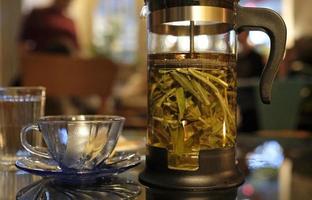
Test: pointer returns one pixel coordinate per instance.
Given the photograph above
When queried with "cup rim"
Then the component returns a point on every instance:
(80, 118)
(23, 91)
(2, 88)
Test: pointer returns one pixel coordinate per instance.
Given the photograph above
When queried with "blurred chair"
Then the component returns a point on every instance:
(65, 76)
(283, 112)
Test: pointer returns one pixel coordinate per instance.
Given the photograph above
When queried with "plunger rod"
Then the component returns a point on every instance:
(191, 38)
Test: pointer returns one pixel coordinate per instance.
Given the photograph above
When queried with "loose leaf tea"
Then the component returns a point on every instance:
(192, 105)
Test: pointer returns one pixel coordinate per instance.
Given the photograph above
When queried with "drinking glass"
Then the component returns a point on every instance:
(19, 106)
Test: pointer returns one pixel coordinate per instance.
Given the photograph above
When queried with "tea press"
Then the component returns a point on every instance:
(192, 53)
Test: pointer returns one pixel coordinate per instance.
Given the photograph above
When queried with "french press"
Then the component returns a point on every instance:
(192, 89)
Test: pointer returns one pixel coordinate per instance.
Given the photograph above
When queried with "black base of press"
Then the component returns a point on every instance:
(217, 170)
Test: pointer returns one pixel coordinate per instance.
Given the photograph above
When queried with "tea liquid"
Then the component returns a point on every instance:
(192, 105)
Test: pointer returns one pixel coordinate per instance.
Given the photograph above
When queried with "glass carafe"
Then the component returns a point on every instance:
(192, 83)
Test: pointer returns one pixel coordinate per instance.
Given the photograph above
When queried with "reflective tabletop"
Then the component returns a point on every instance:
(275, 168)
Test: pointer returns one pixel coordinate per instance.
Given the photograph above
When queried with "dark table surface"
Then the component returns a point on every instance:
(275, 168)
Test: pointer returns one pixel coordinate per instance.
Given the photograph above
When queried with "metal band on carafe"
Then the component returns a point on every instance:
(176, 20)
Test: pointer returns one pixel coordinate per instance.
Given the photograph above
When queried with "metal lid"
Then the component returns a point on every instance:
(174, 16)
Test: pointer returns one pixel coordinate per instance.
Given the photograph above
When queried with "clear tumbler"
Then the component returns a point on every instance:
(19, 106)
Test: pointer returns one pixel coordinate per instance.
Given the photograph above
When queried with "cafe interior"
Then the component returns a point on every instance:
(108, 57)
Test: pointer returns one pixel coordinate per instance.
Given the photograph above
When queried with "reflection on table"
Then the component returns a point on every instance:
(110, 188)
(226, 194)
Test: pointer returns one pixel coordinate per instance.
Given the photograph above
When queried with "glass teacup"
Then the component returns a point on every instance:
(78, 142)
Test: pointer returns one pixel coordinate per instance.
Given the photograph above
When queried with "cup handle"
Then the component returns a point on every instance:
(29, 147)
(271, 23)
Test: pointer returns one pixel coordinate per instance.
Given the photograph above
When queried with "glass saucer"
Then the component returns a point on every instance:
(119, 163)
(109, 188)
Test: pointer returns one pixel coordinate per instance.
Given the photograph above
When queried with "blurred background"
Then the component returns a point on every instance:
(102, 44)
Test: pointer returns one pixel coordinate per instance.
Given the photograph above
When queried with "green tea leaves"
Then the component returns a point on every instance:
(191, 109)
(181, 102)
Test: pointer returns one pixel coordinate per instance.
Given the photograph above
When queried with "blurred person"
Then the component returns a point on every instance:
(49, 30)
(301, 64)
(301, 69)
(249, 66)
(286, 63)
(249, 63)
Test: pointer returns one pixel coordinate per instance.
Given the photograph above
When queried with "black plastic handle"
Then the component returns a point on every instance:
(270, 22)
